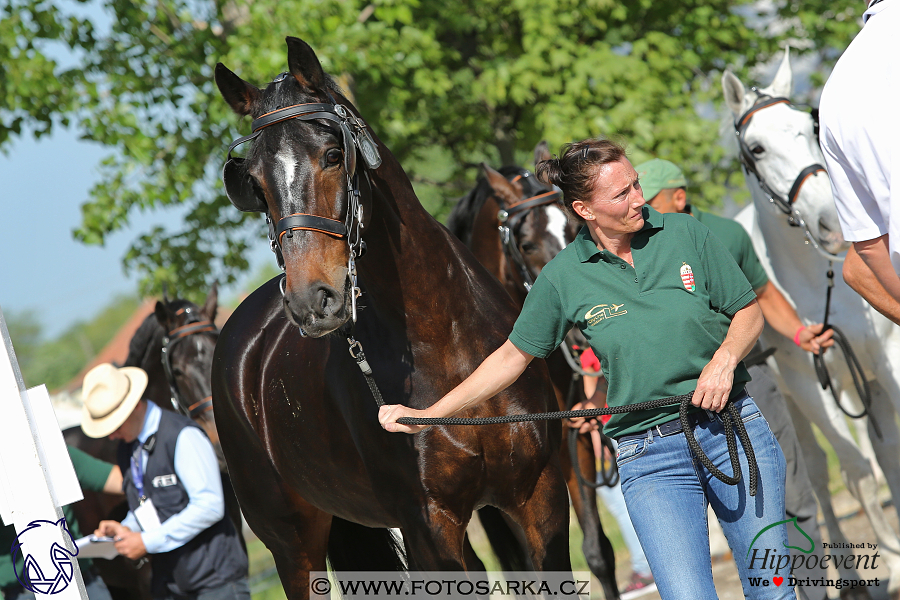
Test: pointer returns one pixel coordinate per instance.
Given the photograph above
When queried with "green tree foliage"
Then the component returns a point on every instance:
(55, 362)
(445, 85)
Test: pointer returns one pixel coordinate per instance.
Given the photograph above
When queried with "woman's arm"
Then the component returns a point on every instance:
(495, 374)
(714, 384)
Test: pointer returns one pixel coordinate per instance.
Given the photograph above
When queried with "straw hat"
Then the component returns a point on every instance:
(110, 395)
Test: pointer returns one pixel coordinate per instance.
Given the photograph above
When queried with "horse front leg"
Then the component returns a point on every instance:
(436, 538)
(544, 518)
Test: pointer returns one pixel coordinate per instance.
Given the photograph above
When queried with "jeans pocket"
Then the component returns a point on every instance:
(630, 450)
(749, 410)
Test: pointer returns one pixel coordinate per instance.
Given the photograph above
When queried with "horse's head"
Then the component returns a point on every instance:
(188, 345)
(779, 150)
(302, 172)
(530, 215)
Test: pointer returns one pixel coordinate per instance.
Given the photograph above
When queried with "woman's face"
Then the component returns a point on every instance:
(616, 202)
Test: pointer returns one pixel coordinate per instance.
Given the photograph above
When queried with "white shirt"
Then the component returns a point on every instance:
(859, 129)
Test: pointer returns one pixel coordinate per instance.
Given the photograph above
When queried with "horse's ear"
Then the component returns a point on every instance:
(162, 314)
(541, 152)
(734, 93)
(212, 302)
(783, 82)
(240, 95)
(503, 189)
(304, 64)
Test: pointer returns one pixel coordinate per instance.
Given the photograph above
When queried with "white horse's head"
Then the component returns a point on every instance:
(782, 159)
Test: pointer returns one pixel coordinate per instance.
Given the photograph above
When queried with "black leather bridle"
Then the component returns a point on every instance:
(785, 205)
(170, 340)
(245, 194)
(511, 216)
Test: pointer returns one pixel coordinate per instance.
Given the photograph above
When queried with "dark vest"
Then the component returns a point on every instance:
(210, 560)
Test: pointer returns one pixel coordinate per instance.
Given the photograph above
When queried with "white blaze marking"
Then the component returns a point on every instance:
(556, 224)
(286, 158)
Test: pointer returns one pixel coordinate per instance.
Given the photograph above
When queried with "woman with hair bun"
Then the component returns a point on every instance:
(668, 312)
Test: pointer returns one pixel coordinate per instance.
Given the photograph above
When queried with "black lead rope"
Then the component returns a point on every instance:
(731, 419)
(856, 371)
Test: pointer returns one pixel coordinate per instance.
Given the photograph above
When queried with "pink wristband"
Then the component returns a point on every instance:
(797, 335)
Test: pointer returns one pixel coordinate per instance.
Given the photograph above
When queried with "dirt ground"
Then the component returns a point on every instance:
(855, 527)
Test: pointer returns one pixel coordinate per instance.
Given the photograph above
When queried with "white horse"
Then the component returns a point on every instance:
(778, 143)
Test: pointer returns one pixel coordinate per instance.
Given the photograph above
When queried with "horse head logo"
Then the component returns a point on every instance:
(44, 573)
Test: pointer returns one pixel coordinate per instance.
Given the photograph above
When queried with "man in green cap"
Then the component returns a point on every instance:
(665, 189)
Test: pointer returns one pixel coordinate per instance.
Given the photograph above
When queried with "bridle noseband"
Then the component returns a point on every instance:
(785, 205)
(170, 340)
(245, 195)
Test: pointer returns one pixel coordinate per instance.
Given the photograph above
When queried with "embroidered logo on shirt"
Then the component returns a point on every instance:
(687, 277)
(165, 480)
(603, 311)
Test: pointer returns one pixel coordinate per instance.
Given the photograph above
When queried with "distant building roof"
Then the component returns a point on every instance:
(116, 351)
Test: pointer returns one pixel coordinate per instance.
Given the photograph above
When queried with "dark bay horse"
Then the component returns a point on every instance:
(296, 415)
(178, 337)
(514, 225)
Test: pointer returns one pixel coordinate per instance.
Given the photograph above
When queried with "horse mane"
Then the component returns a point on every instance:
(147, 337)
(462, 217)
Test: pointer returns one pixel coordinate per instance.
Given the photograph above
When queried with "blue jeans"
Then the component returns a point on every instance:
(667, 491)
(615, 503)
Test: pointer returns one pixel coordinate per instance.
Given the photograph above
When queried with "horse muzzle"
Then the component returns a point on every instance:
(318, 309)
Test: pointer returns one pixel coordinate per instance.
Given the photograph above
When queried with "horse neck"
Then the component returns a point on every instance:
(411, 258)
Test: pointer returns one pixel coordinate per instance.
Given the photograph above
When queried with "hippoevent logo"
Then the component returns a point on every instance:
(49, 571)
(776, 566)
(603, 311)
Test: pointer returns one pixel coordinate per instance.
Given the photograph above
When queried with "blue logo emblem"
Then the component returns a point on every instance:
(50, 572)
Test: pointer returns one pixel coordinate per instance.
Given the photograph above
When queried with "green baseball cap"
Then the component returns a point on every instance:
(657, 175)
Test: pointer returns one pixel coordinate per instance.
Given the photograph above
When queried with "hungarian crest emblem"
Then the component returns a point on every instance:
(687, 277)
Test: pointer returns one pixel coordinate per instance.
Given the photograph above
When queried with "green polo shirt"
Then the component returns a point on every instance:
(655, 326)
(92, 474)
(738, 243)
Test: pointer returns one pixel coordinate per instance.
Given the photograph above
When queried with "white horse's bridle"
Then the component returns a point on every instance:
(785, 205)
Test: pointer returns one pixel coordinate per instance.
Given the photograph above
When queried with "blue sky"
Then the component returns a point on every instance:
(43, 268)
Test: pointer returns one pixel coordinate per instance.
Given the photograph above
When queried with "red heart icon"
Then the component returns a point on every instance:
(777, 580)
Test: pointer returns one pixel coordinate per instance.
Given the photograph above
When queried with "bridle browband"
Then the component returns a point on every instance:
(244, 193)
(785, 205)
(170, 340)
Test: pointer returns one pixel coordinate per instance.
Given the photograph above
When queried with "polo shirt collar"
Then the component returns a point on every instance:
(586, 248)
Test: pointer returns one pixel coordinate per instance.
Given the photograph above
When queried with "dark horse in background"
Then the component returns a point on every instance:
(514, 225)
(312, 467)
(188, 335)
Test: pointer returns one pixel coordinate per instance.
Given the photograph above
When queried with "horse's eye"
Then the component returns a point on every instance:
(333, 156)
(529, 247)
(757, 149)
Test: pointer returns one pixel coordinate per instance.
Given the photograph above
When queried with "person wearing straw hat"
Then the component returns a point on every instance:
(174, 490)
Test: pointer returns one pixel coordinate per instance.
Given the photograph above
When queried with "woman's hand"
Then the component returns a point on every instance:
(714, 384)
(389, 413)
